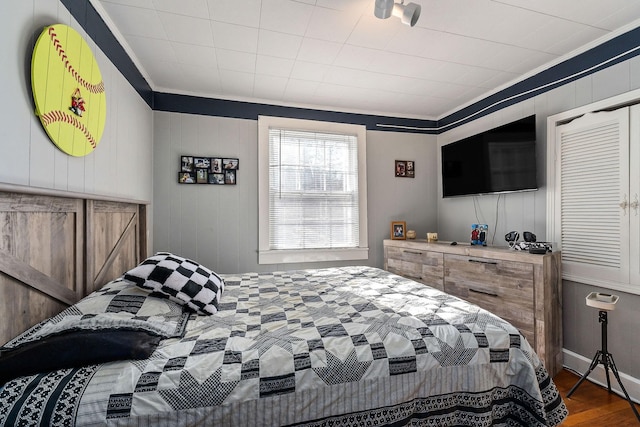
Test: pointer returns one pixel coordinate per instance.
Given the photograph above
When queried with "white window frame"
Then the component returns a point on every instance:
(266, 255)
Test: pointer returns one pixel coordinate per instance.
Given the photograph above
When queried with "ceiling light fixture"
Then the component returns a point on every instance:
(408, 13)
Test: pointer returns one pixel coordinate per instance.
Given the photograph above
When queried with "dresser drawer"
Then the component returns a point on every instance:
(503, 287)
(522, 288)
(419, 265)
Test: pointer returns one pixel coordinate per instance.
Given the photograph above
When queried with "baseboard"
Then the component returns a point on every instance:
(579, 364)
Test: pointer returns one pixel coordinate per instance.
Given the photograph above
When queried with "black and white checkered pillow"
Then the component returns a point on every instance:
(181, 280)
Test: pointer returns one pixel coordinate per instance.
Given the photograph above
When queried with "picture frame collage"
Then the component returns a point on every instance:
(208, 170)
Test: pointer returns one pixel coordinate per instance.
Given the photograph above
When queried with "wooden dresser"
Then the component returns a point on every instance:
(520, 287)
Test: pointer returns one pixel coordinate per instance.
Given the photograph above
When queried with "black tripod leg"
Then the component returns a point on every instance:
(594, 363)
(605, 362)
(615, 373)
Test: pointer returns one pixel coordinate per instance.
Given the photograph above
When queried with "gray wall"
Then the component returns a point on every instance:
(121, 164)
(218, 225)
(527, 211)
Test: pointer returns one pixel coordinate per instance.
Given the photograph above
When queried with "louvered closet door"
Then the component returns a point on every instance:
(593, 166)
(634, 203)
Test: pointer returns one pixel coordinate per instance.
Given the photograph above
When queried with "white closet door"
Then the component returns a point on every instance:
(634, 194)
(593, 184)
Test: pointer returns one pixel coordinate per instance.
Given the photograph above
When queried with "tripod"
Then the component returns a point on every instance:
(603, 356)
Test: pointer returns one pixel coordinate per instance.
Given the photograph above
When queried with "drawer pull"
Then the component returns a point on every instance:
(483, 262)
(413, 252)
(491, 294)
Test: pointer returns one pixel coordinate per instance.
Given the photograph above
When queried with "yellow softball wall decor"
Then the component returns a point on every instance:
(68, 90)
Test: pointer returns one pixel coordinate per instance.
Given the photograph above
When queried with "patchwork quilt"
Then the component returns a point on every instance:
(353, 346)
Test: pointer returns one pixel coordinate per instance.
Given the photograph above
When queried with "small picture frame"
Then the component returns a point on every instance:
(230, 177)
(411, 169)
(186, 163)
(405, 168)
(230, 164)
(187, 177)
(479, 234)
(216, 178)
(201, 162)
(398, 230)
(202, 176)
(216, 165)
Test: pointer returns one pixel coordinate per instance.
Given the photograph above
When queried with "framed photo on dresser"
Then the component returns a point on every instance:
(398, 230)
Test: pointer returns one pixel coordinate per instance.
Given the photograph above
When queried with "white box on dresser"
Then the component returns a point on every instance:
(522, 288)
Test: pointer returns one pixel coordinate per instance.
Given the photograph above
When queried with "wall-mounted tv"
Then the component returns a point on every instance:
(496, 161)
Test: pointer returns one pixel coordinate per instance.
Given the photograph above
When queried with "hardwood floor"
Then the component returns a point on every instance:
(592, 405)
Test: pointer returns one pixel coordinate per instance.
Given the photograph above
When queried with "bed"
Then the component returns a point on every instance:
(354, 346)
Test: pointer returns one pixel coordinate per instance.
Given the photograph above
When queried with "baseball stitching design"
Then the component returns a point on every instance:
(92, 88)
(60, 116)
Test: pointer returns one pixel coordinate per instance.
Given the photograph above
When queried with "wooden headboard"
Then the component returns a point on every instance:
(55, 248)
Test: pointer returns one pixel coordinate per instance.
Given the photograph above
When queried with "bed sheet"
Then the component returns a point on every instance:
(339, 346)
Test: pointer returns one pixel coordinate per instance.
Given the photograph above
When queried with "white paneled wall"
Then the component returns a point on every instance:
(215, 224)
(218, 225)
(503, 213)
(121, 164)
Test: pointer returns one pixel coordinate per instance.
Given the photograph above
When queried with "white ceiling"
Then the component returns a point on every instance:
(334, 54)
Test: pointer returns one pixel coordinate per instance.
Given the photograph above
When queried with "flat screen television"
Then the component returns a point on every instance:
(496, 161)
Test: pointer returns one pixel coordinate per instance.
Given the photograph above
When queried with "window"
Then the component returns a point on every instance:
(312, 191)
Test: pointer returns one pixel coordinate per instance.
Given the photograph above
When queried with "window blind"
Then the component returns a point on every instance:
(313, 190)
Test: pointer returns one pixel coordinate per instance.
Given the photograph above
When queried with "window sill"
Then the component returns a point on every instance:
(311, 255)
